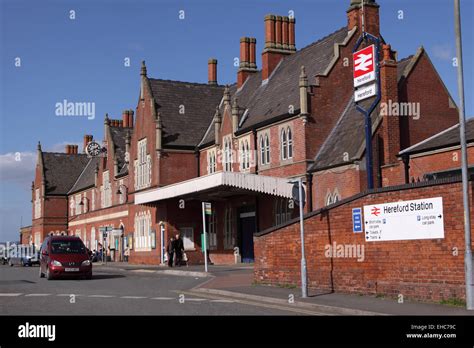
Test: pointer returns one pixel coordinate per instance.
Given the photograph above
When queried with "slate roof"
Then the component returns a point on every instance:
(87, 177)
(447, 138)
(199, 101)
(348, 135)
(61, 171)
(268, 101)
(118, 139)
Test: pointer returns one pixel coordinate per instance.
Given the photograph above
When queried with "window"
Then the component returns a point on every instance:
(244, 154)
(37, 239)
(228, 229)
(290, 142)
(283, 211)
(142, 166)
(286, 143)
(212, 230)
(142, 234)
(37, 204)
(77, 199)
(106, 197)
(72, 206)
(264, 149)
(211, 160)
(228, 154)
(123, 192)
(93, 239)
(187, 233)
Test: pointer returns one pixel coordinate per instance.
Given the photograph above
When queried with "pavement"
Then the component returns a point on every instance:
(121, 288)
(235, 282)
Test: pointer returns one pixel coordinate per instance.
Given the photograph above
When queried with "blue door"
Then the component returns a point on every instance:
(247, 229)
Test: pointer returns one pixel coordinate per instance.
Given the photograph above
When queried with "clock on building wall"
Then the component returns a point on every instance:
(94, 149)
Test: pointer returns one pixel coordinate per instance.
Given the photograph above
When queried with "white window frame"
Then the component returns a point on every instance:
(142, 233)
(282, 211)
(143, 166)
(228, 154)
(106, 188)
(211, 161)
(77, 201)
(264, 149)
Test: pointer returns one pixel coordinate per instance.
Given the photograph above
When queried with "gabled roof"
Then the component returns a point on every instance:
(447, 138)
(344, 143)
(118, 138)
(186, 110)
(61, 171)
(273, 99)
(269, 100)
(348, 135)
(87, 178)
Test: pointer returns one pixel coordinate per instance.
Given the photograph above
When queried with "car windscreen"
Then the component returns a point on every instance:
(67, 247)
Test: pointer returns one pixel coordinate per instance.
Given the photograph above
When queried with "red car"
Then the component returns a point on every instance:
(63, 256)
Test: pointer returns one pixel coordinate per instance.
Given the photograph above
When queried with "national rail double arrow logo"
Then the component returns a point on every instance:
(375, 211)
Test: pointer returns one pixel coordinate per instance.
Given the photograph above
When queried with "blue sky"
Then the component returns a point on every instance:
(82, 60)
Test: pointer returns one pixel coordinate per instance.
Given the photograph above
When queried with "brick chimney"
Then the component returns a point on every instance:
(389, 96)
(87, 140)
(279, 42)
(71, 149)
(130, 118)
(247, 63)
(212, 71)
(371, 17)
(125, 118)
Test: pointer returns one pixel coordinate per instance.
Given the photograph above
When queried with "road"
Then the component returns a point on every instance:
(112, 292)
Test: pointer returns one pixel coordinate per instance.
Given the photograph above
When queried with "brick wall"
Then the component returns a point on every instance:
(419, 269)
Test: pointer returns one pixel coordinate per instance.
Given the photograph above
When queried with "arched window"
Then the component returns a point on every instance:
(329, 198)
(228, 155)
(283, 211)
(290, 142)
(284, 145)
(262, 150)
(267, 149)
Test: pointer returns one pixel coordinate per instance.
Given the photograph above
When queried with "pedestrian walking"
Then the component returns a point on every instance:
(178, 249)
(170, 250)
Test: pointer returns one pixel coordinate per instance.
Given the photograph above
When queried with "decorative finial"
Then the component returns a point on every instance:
(143, 69)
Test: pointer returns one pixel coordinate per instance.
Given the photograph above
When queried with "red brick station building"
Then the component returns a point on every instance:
(239, 146)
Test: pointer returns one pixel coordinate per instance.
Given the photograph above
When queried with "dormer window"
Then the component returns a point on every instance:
(142, 166)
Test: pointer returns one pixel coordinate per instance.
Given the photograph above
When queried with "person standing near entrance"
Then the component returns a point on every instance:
(170, 250)
(178, 249)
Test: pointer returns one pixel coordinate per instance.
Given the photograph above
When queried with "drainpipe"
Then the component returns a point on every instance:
(309, 191)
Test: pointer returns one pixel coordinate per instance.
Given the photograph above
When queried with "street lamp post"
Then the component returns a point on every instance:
(301, 200)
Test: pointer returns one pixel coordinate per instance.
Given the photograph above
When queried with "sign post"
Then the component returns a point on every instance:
(366, 70)
(206, 210)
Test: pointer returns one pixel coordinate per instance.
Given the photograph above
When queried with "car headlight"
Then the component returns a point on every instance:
(86, 263)
(56, 263)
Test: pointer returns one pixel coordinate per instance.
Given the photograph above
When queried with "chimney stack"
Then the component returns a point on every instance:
(247, 63)
(87, 140)
(212, 71)
(125, 118)
(389, 94)
(279, 42)
(371, 17)
(130, 118)
(71, 149)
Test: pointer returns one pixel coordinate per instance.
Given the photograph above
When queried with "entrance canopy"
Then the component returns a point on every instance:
(229, 181)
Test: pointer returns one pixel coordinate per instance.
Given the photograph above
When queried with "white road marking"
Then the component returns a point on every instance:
(67, 295)
(223, 301)
(11, 294)
(162, 298)
(101, 296)
(36, 295)
(195, 299)
(133, 297)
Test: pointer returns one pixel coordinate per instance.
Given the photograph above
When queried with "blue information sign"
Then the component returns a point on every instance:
(357, 220)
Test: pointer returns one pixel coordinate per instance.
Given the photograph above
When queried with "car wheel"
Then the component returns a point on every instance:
(49, 276)
(41, 274)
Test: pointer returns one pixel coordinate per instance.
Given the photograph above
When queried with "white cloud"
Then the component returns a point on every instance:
(18, 168)
(443, 52)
